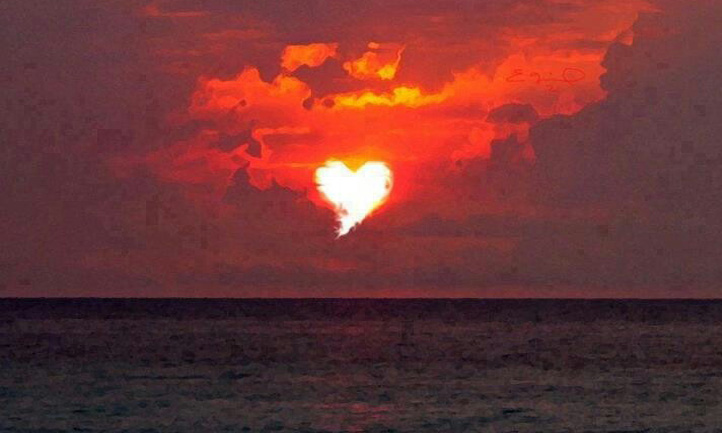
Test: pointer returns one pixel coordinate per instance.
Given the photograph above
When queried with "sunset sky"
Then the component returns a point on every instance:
(538, 147)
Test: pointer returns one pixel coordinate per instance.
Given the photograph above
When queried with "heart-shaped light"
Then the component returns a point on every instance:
(354, 195)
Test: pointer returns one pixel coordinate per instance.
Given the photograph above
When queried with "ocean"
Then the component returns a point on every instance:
(360, 365)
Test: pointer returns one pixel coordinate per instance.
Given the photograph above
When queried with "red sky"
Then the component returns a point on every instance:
(539, 148)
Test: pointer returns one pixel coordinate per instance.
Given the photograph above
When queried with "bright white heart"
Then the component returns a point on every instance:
(354, 194)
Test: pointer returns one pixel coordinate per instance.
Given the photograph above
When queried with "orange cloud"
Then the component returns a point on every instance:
(380, 63)
(404, 96)
(312, 55)
(247, 92)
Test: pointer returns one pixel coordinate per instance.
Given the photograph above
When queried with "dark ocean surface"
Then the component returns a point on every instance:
(345, 365)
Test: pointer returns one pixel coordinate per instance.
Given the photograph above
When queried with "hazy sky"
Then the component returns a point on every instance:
(538, 147)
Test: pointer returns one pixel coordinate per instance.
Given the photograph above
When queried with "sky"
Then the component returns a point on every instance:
(537, 148)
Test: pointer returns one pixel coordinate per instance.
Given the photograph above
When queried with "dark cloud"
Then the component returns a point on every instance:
(328, 78)
(652, 140)
(230, 142)
(649, 154)
(513, 113)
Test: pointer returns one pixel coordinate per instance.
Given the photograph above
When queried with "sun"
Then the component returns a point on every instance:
(354, 194)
